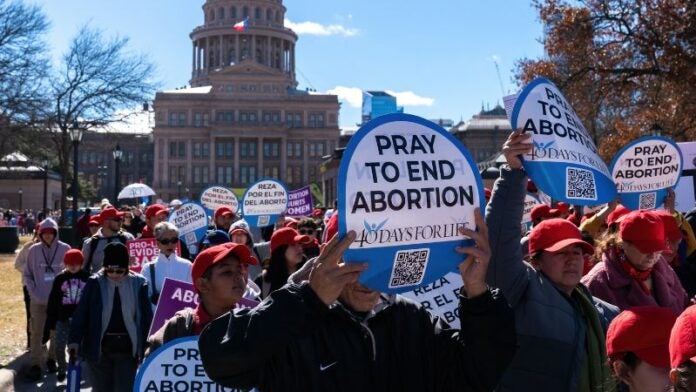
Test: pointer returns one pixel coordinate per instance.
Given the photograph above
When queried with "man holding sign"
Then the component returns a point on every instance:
(342, 336)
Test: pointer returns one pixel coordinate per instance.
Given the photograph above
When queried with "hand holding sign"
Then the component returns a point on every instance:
(516, 145)
(473, 268)
(330, 275)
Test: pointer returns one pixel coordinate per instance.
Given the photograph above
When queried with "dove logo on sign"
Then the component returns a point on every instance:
(373, 228)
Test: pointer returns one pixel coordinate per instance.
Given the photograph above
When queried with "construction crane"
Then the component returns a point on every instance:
(500, 80)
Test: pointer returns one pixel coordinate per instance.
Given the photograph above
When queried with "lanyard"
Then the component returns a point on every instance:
(49, 264)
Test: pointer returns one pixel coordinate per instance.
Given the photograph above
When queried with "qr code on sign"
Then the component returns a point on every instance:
(648, 201)
(580, 184)
(409, 267)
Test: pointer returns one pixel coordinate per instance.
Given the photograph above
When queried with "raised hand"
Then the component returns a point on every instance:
(516, 144)
(473, 268)
(330, 274)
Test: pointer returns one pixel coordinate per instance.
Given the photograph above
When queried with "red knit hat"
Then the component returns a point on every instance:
(644, 230)
(73, 257)
(287, 236)
(682, 340)
(644, 331)
(555, 234)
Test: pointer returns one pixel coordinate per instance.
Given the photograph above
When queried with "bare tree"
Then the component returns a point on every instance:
(97, 80)
(23, 69)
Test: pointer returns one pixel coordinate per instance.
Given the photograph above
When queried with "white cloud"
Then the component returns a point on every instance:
(314, 28)
(409, 98)
(352, 95)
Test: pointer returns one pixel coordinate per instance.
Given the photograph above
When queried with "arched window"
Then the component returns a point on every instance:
(221, 13)
(277, 16)
(233, 12)
(245, 12)
(212, 15)
(257, 13)
(269, 15)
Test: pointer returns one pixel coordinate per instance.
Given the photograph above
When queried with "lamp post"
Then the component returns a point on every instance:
(44, 163)
(178, 184)
(76, 138)
(118, 154)
(20, 192)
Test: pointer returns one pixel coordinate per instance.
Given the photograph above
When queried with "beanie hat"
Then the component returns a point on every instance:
(115, 255)
(73, 257)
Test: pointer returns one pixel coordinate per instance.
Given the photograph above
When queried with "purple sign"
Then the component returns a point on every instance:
(177, 295)
(300, 202)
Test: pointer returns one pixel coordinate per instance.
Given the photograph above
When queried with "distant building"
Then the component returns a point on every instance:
(443, 122)
(378, 103)
(22, 184)
(243, 117)
(484, 134)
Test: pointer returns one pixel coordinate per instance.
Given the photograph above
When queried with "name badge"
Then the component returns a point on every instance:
(49, 277)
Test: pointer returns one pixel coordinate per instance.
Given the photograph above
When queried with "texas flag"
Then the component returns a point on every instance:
(241, 25)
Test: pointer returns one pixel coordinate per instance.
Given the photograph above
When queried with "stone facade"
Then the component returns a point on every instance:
(484, 134)
(242, 118)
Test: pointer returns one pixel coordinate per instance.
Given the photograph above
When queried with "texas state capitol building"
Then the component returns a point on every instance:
(242, 118)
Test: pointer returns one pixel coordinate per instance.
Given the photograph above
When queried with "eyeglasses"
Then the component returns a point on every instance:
(118, 271)
(167, 241)
(306, 231)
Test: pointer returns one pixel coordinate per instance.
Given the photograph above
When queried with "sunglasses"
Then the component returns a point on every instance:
(168, 241)
(306, 231)
(118, 271)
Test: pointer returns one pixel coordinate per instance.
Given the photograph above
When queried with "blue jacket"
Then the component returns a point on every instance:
(86, 325)
(551, 330)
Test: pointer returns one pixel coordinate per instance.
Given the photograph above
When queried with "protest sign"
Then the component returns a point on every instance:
(176, 295)
(300, 202)
(263, 202)
(530, 201)
(686, 188)
(406, 187)
(563, 162)
(645, 170)
(218, 196)
(176, 367)
(192, 222)
(440, 297)
(142, 250)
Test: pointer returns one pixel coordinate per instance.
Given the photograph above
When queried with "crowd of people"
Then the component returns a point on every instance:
(587, 300)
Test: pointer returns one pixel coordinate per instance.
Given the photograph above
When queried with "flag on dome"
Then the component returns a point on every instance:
(242, 25)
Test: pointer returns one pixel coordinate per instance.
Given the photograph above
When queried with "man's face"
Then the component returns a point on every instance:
(227, 282)
(154, 220)
(358, 297)
(48, 237)
(73, 268)
(223, 222)
(308, 231)
(113, 224)
(239, 238)
(93, 229)
(563, 268)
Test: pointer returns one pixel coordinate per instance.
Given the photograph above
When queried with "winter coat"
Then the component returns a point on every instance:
(551, 331)
(43, 264)
(292, 341)
(608, 281)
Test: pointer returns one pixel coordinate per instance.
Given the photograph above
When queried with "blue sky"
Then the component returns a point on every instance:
(438, 55)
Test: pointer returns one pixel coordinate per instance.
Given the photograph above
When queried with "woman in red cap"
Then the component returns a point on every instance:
(286, 257)
(633, 271)
(638, 347)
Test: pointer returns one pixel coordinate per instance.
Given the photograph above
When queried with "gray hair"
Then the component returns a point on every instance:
(165, 227)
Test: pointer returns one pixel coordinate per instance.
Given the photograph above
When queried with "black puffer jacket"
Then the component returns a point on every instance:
(293, 342)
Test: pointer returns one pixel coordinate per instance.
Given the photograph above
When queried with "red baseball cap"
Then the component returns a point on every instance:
(217, 253)
(222, 211)
(555, 234)
(318, 213)
(617, 215)
(73, 257)
(543, 211)
(95, 221)
(670, 225)
(110, 213)
(682, 340)
(562, 207)
(644, 230)
(291, 222)
(287, 236)
(644, 331)
(155, 210)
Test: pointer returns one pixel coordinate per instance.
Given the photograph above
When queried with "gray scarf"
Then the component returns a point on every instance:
(127, 294)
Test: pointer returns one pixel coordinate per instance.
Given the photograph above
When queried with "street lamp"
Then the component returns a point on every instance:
(76, 138)
(20, 192)
(178, 184)
(118, 154)
(44, 163)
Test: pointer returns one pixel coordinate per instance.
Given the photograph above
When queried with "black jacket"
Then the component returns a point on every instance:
(64, 297)
(293, 342)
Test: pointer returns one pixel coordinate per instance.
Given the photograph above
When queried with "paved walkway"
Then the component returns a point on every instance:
(12, 379)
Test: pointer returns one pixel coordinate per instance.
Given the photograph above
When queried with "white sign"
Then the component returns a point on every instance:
(406, 187)
(218, 196)
(440, 297)
(530, 201)
(263, 202)
(192, 222)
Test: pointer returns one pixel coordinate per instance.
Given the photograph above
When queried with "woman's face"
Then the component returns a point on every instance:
(639, 260)
(646, 378)
(168, 242)
(293, 255)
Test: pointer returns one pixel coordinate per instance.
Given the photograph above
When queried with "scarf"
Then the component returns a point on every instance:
(638, 275)
(201, 318)
(128, 306)
(595, 376)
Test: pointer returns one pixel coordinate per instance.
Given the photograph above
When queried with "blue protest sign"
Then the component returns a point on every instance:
(218, 196)
(406, 186)
(563, 162)
(192, 222)
(263, 202)
(645, 170)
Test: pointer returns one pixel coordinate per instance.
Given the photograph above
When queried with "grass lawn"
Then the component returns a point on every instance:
(13, 336)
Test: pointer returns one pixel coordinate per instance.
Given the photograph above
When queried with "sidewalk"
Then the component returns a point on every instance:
(12, 379)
